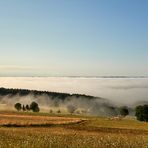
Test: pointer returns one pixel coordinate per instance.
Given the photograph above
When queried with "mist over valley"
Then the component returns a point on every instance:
(93, 96)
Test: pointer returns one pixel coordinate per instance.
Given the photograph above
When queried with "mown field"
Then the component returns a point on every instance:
(41, 130)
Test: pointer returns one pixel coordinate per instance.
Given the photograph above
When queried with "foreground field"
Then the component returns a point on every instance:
(60, 131)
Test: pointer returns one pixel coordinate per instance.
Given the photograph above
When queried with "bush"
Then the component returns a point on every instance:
(18, 106)
(58, 111)
(24, 108)
(34, 107)
(27, 107)
(124, 111)
(142, 113)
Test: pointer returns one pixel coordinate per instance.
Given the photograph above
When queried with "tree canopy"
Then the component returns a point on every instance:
(34, 107)
(142, 113)
(124, 111)
(18, 106)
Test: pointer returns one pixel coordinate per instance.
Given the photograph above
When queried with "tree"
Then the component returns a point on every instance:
(18, 106)
(71, 109)
(139, 113)
(145, 113)
(142, 113)
(24, 108)
(58, 111)
(27, 107)
(34, 107)
(124, 111)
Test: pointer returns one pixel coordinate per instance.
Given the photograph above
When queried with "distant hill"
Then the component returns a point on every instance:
(24, 92)
(83, 103)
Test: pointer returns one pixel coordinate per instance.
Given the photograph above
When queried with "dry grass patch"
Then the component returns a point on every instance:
(69, 132)
(28, 120)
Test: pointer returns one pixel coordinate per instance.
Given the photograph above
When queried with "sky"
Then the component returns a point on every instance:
(73, 37)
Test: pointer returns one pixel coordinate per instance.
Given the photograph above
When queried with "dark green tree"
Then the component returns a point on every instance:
(27, 107)
(145, 113)
(24, 108)
(142, 113)
(34, 107)
(18, 106)
(124, 111)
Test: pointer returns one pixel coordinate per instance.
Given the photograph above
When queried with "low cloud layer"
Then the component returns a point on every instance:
(125, 91)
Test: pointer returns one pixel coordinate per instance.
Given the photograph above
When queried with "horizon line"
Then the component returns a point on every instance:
(112, 76)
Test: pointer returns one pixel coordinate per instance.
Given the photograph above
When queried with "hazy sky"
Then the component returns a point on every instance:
(73, 37)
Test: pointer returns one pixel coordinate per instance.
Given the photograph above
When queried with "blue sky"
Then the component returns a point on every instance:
(73, 37)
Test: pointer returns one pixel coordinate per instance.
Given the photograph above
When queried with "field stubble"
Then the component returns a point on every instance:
(69, 132)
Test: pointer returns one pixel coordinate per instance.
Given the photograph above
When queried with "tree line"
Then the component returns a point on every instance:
(141, 111)
(25, 92)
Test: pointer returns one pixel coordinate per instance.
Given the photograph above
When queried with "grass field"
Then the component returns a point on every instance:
(32, 130)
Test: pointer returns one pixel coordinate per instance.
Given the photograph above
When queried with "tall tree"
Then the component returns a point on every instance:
(34, 107)
(18, 106)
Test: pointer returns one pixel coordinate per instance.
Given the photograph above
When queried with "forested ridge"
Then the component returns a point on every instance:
(25, 92)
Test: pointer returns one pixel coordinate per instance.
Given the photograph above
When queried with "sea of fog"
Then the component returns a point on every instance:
(119, 90)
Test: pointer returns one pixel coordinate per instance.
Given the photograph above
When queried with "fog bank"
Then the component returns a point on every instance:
(119, 90)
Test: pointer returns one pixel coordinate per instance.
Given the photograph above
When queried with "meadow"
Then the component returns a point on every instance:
(44, 130)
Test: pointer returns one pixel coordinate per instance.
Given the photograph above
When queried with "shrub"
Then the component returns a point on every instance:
(18, 106)
(24, 108)
(58, 111)
(142, 113)
(124, 111)
(34, 107)
(50, 111)
(27, 107)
